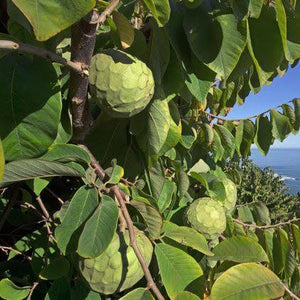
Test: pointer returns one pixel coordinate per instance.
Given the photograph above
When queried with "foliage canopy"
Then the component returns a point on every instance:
(119, 151)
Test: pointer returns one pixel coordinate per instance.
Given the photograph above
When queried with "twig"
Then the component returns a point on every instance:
(55, 196)
(83, 38)
(121, 197)
(5, 249)
(9, 206)
(107, 12)
(266, 226)
(243, 119)
(44, 53)
(43, 208)
(292, 295)
(35, 284)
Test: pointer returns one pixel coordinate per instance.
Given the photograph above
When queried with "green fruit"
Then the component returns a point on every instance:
(120, 84)
(206, 216)
(117, 268)
(231, 196)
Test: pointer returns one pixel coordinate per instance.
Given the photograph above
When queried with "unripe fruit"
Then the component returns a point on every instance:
(117, 268)
(120, 84)
(206, 216)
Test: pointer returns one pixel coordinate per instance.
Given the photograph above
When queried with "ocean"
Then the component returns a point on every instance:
(285, 162)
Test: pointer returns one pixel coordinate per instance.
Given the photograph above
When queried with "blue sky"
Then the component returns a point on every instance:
(281, 90)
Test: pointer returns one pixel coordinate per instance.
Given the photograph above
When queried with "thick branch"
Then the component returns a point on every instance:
(267, 226)
(120, 196)
(82, 48)
(25, 48)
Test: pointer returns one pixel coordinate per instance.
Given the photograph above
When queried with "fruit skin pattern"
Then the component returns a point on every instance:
(206, 216)
(117, 268)
(120, 84)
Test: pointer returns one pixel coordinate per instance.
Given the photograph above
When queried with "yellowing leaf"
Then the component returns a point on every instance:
(125, 29)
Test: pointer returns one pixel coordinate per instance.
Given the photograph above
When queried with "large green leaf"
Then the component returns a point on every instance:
(138, 294)
(227, 139)
(150, 214)
(280, 125)
(2, 161)
(177, 268)
(217, 42)
(156, 124)
(160, 10)
(244, 137)
(60, 289)
(30, 106)
(66, 153)
(49, 17)
(186, 236)
(185, 295)
(266, 40)
(26, 169)
(57, 268)
(239, 249)
(9, 291)
(159, 53)
(82, 205)
(263, 137)
(255, 7)
(247, 281)
(99, 229)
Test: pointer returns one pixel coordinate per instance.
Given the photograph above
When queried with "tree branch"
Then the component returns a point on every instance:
(35, 284)
(292, 295)
(82, 47)
(121, 198)
(25, 48)
(5, 249)
(107, 12)
(266, 226)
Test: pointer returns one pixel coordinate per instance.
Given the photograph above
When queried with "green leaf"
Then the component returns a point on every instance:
(255, 7)
(125, 29)
(296, 102)
(116, 175)
(217, 147)
(29, 115)
(247, 281)
(2, 161)
(49, 17)
(185, 295)
(26, 169)
(296, 236)
(188, 135)
(99, 229)
(150, 214)
(290, 114)
(263, 137)
(186, 236)
(9, 291)
(177, 268)
(156, 124)
(57, 268)
(159, 52)
(175, 129)
(82, 205)
(266, 40)
(245, 132)
(280, 125)
(66, 153)
(199, 167)
(217, 42)
(227, 139)
(138, 294)
(160, 10)
(239, 249)
(60, 289)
